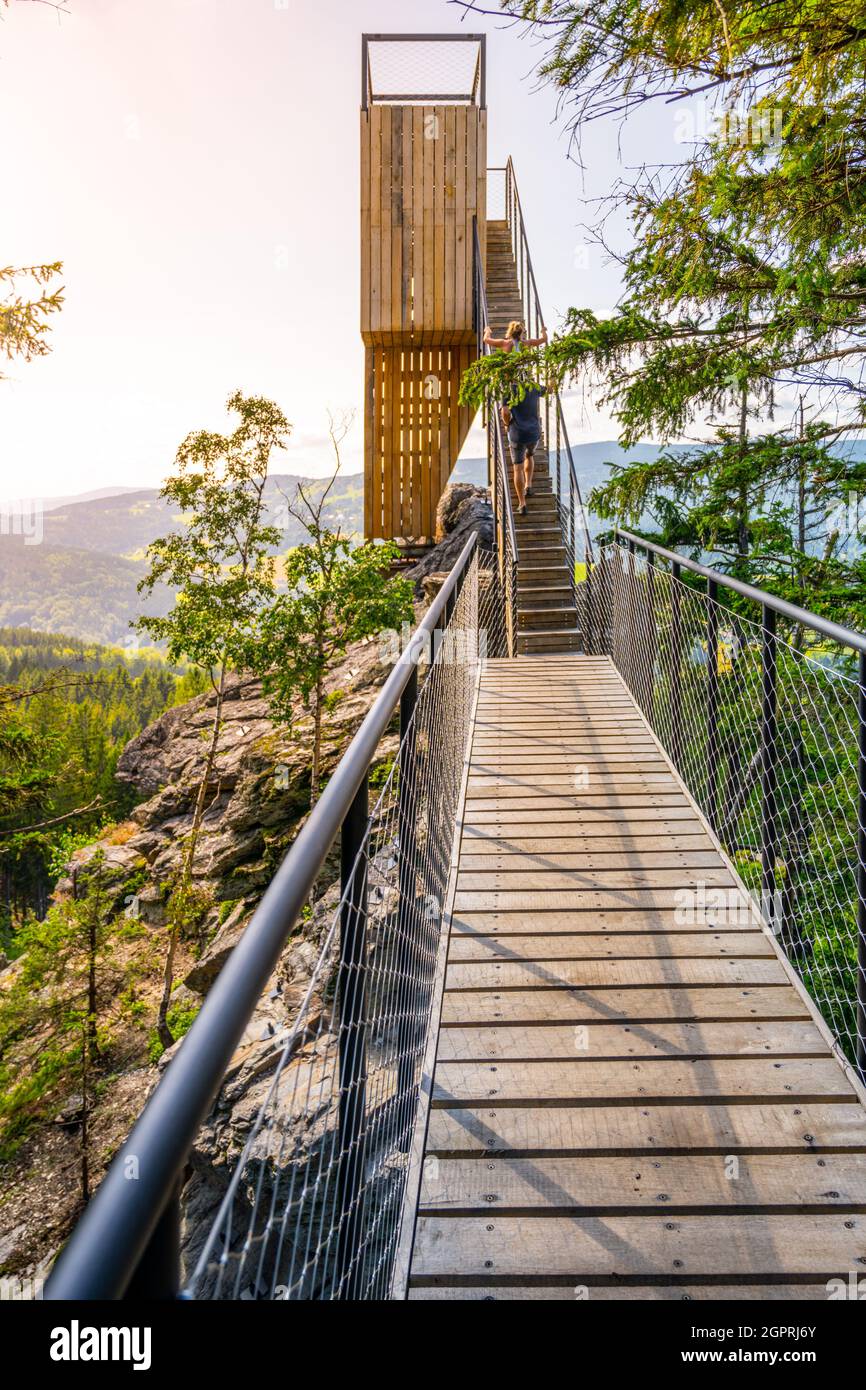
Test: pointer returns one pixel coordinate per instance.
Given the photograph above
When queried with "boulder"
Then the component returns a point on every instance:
(463, 508)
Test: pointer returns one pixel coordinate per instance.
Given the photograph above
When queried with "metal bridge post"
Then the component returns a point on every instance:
(631, 623)
(649, 664)
(712, 702)
(603, 614)
(861, 871)
(677, 690)
(789, 929)
(769, 758)
(407, 848)
(352, 997)
(157, 1274)
(558, 470)
(588, 607)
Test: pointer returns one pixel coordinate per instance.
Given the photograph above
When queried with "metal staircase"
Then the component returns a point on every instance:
(546, 611)
(545, 546)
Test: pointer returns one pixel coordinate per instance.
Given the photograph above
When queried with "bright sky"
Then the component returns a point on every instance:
(194, 163)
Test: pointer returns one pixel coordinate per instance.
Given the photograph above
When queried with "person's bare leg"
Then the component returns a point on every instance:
(528, 472)
(519, 485)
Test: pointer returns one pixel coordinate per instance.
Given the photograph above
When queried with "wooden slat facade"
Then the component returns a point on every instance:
(627, 1101)
(423, 181)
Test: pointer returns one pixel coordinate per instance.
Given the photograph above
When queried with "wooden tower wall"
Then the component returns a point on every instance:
(423, 180)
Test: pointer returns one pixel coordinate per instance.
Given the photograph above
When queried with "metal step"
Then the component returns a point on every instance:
(545, 595)
(546, 619)
(543, 553)
(541, 509)
(568, 640)
(540, 576)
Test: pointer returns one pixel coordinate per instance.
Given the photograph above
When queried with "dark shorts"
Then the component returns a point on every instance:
(523, 445)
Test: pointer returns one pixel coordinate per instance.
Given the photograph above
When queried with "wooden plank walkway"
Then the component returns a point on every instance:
(626, 1104)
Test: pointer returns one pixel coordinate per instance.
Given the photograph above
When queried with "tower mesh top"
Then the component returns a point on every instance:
(423, 69)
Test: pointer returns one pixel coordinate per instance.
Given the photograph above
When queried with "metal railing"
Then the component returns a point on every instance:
(313, 1197)
(497, 474)
(761, 706)
(566, 488)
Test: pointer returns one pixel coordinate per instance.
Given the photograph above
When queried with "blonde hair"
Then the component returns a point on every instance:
(514, 329)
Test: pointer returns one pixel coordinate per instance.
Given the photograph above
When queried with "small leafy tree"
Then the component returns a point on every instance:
(336, 595)
(53, 1028)
(222, 568)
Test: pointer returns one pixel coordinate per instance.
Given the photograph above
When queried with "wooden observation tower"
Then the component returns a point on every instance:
(423, 181)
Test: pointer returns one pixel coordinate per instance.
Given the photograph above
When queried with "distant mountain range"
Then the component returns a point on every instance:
(81, 578)
(50, 504)
(126, 521)
(591, 463)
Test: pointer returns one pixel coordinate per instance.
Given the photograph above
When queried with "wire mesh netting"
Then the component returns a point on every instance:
(762, 725)
(570, 511)
(500, 608)
(407, 70)
(502, 623)
(497, 195)
(312, 1207)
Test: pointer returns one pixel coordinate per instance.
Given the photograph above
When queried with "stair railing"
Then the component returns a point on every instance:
(571, 515)
(497, 475)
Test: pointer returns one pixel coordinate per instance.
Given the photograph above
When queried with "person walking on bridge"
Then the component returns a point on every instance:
(524, 433)
(521, 422)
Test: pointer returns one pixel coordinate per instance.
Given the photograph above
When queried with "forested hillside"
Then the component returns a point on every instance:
(61, 590)
(67, 709)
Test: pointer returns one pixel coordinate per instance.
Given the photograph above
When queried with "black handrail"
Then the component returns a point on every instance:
(532, 312)
(524, 241)
(845, 636)
(483, 318)
(132, 1221)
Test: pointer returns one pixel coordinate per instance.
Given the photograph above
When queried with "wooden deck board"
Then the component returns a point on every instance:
(648, 1129)
(586, 945)
(580, 1247)
(521, 1042)
(607, 1004)
(593, 921)
(549, 1293)
(665, 1183)
(629, 1095)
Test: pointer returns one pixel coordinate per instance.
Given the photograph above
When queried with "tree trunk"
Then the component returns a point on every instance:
(85, 1113)
(315, 772)
(163, 1031)
(198, 814)
(92, 946)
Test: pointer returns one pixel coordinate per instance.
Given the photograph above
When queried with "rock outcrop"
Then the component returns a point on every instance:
(463, 508)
